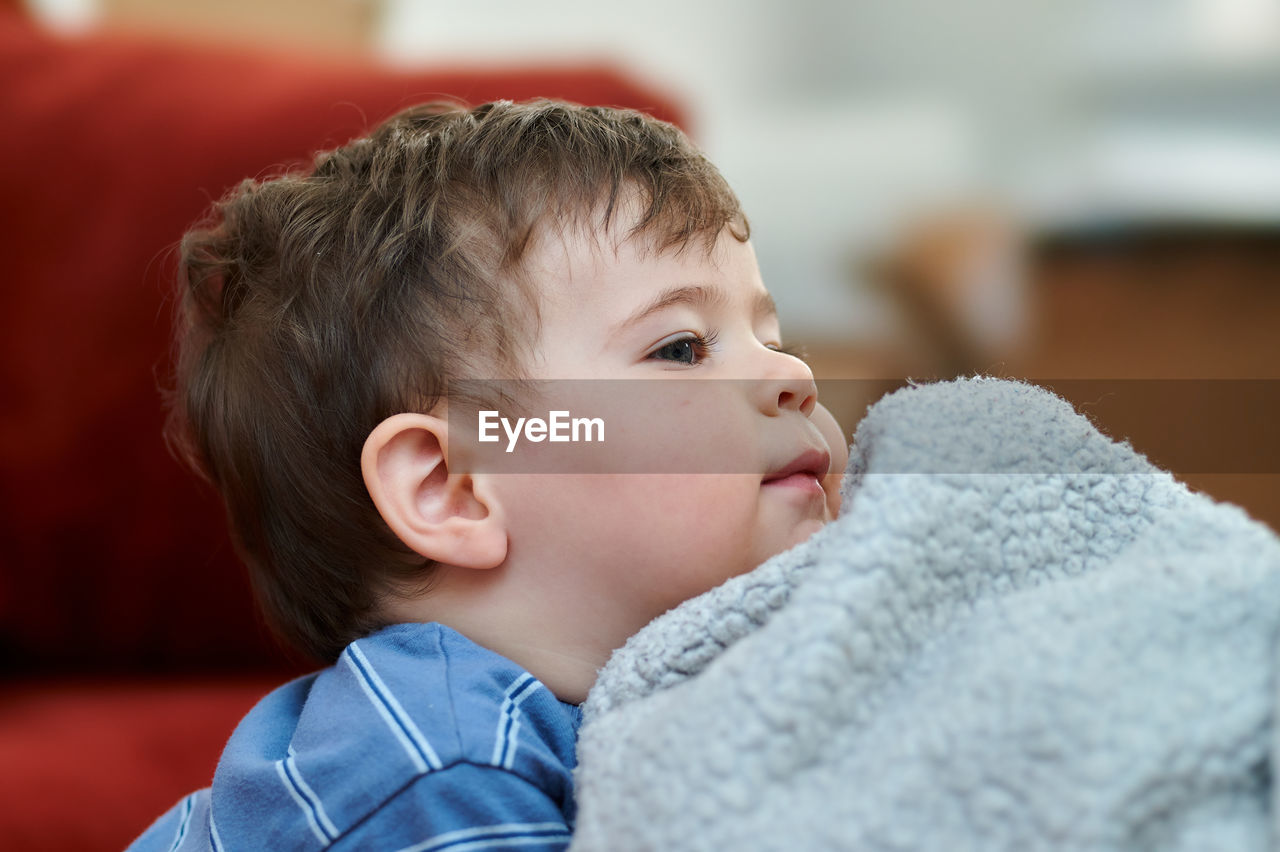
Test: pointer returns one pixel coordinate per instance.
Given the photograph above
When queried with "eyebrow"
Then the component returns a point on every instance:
(697, 296)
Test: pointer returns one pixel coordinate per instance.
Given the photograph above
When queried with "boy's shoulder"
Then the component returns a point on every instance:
(416, 725)
(408, 700)
(427, 698)
(442, 699)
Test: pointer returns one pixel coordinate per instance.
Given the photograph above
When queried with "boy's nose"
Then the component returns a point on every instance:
(788, 386)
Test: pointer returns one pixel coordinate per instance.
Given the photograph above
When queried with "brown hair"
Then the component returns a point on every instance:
(314, 305)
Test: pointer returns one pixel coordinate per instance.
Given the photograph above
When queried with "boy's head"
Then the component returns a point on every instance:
(325, 314)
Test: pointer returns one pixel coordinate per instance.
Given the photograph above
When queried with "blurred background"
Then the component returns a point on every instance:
(1052, 190)
(1032, 188)
(1043, 189)
(1082, 193)
(1026, 187)
(844, 124)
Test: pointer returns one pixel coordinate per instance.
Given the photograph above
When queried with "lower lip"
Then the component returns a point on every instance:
(799, 481)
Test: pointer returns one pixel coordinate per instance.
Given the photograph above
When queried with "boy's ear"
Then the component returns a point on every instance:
(446, 517)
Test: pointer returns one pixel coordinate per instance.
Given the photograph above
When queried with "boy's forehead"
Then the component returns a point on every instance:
(578, 263)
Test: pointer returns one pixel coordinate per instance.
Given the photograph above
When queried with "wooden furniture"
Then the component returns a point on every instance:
(1167, 337)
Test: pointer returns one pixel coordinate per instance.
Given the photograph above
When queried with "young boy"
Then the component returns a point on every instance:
(337, 324)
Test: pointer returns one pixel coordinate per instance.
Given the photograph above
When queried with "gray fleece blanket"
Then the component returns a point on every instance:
(1018, 635)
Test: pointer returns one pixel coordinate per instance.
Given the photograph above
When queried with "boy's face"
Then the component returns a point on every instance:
(613, 550)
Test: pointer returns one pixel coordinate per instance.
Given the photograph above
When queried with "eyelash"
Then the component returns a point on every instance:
(702, 345)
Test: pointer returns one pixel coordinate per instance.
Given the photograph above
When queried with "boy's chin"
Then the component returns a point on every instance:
(831, 485)
(802, 533)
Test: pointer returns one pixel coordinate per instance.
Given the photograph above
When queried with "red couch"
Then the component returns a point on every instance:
(128, 641)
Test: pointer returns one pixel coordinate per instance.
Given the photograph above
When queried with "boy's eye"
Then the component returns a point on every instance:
(690, 349)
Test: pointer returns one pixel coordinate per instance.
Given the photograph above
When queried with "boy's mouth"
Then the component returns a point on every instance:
(804, 471)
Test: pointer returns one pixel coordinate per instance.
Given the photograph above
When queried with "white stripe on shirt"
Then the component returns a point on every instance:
(412, 740)
(504, 746)
(188, 805)
(307, 801)
(213, 831)
(305, 788)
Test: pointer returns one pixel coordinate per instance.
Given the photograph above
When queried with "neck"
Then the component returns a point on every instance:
(525, 626)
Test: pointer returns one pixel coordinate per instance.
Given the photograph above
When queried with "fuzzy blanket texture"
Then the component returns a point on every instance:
(1018, 635)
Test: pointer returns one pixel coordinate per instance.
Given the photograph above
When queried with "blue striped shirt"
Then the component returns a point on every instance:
(417, 740)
